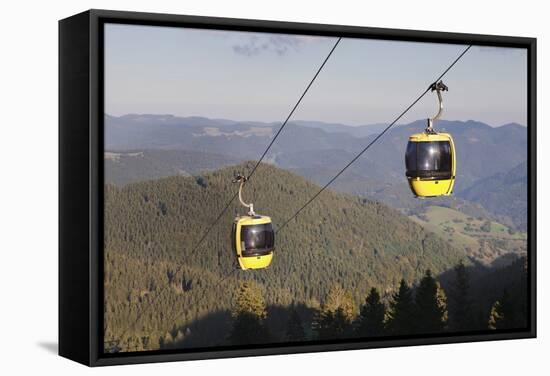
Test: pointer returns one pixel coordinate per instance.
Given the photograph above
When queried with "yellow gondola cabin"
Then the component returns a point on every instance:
(431, 164)
(253, 241)
(430, 159)
(253, 237)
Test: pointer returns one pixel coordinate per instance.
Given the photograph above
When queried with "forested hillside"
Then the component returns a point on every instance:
(132, 166)
(160, 291)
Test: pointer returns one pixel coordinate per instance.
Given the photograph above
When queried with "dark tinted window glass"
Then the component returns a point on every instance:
(234, 236)
(257, 237)
(434, 156)
(429, 159)
(445, 159)
(410, 156)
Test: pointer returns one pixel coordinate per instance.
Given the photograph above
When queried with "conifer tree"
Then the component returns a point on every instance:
(336, 316)
(341, 326)
(323, 324)
(503, 314)
(167, 339)
(431, 305)
(401, 313)
(250, 300)
(495, 316)
(294, 329)
(441, 298)
(343, 299)
(371, 318)
(249, 316)
(460, 307)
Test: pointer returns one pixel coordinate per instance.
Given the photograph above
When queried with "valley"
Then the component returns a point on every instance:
(481, 239)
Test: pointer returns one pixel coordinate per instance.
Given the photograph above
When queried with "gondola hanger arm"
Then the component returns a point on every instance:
(241, 179)
(438, 87)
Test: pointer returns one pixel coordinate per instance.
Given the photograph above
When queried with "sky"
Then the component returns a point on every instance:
(259, 77)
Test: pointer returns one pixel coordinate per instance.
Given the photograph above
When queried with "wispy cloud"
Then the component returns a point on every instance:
(279, 44)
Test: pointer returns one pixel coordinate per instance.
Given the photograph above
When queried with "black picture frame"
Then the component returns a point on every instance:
(81, 184)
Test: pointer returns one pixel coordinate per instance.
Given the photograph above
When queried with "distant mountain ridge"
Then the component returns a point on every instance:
(504, 194)
(132, 166)
(352, 130)
(317, 150)
(481, 149)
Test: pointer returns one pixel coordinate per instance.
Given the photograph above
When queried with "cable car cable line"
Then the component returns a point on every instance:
(373, 141)
(295, 107)
(228, 204)
(253, 237)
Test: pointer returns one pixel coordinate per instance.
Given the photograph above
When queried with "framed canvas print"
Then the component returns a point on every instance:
(236, 187)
